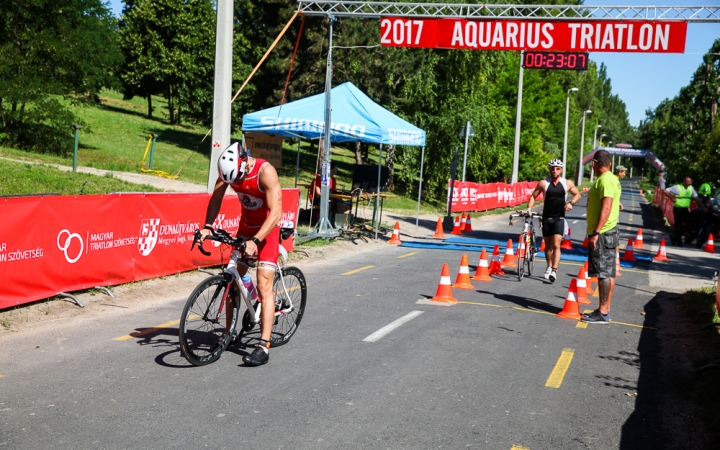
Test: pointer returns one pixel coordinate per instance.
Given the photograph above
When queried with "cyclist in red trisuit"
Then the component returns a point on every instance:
(258, 188)
(555, 188)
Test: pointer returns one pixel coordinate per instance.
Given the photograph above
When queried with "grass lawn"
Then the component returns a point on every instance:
(20, 179)
(117, 135)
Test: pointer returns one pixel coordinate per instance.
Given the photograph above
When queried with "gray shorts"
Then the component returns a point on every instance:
(602, 262)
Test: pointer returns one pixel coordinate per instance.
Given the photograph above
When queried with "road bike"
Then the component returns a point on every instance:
(526, 253)
(213, 310)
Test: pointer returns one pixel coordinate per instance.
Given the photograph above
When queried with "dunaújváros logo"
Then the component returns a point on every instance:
(149, 230)
(64, 242)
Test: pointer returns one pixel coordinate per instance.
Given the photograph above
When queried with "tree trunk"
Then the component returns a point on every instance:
(150, 109)
(390, 164)
(171, 107)
(358, 153)
(365, 153)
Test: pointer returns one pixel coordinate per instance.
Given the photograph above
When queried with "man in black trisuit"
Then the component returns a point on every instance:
(555, 189)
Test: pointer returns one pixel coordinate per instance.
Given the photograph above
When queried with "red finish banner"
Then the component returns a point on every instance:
(643, 36)
(66, 243)
(469, 196)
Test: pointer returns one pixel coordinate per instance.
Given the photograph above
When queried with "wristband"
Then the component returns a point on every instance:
(255, 240)
(207, 227)
(593, 234)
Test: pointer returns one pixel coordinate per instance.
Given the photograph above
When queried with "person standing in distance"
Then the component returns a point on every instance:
(603, 211)
(620, 172)
(555, 189)
(681, 195)
(256, 183)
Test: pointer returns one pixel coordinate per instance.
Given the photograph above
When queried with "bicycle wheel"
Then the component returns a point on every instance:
(530, 254)
(521, 256)
(203, 337)
(289, 288)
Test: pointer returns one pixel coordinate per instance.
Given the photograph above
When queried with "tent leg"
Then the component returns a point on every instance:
(377, 197)
(417, 216)
(297, 164)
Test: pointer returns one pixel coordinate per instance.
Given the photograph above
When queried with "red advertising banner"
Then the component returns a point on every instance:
(469, 196)
(665, 204)
(66, 243)
(646, 36)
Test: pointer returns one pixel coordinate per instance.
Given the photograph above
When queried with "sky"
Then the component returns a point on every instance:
(642, 81)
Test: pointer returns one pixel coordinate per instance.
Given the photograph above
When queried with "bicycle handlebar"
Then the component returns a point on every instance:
(223, 237)
(524, 214)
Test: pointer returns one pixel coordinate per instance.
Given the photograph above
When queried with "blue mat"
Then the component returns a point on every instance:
(503, 245)
(468, 248)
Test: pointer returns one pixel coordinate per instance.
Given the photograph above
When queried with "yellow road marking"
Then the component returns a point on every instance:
(408, 254)
(358, 270)
(153, 329)
(582, 324)
(517, 308)
(517, 447)
(558, 373)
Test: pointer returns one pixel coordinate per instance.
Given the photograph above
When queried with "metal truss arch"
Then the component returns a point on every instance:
(508, 12)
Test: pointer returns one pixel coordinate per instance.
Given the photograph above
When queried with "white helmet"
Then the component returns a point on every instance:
(555, 163)
(232, 163)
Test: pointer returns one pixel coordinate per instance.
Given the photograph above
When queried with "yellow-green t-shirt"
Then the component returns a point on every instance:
(606, 185)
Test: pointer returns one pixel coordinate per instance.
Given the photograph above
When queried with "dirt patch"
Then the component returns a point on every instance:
(140, 295)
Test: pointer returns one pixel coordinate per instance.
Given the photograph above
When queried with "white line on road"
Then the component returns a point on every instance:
(575, 221)
(584, 215)
(379, 334)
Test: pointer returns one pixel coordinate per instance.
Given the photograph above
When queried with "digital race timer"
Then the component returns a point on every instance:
(555, 60)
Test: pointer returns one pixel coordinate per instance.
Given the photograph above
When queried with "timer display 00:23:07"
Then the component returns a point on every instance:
(555, 60)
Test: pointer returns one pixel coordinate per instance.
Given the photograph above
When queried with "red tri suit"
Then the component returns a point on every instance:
(254, 211)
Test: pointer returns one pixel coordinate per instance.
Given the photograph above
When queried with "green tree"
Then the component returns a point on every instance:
(169, 47)
(50, 50)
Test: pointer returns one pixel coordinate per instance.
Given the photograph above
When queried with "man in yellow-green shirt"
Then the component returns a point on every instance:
(603, 211)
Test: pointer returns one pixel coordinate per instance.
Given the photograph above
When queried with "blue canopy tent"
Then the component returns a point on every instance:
(355, 117)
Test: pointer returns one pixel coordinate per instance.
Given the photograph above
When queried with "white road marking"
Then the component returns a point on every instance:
(379, 334)
(575, 221)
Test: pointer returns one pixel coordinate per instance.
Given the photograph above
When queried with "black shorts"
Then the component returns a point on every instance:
(602, 262)
(552, 226)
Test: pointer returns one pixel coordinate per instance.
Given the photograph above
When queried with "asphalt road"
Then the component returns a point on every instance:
(473, 374)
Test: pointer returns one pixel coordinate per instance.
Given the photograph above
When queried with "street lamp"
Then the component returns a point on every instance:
(595, 136)
(592, 172)
(467, 132)
(582, 144)
(567, 110)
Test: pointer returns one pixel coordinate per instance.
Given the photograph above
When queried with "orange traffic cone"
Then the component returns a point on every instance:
(542, 245)
(439, 233)
(638, 243)
(661, 255)
(588, 281)
(571, 310)
(509, 258)
(463, 222)
(709, 245)
(585, 242)
(629, 254)
(468, 223)
(617, 262)
(582, 287)
(444, 290)
(495, 268)
(395, 239)
(567, 243)
(456, 226)
(463, 277)
(482, 274)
